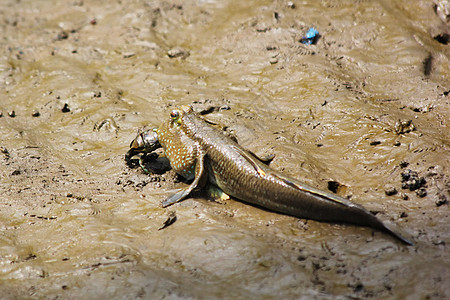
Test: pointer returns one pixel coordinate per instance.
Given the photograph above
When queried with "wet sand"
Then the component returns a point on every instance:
(363, 112)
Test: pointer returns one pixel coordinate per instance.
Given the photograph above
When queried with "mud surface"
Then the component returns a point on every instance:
(363, 111)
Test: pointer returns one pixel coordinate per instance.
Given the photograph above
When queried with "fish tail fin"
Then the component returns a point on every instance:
(395, 230)
(392, 229)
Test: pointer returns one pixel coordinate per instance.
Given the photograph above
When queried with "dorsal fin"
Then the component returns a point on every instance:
(314, 191)
(250, 160)
(291, 183)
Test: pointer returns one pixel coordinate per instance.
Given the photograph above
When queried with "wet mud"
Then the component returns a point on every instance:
(363, 112)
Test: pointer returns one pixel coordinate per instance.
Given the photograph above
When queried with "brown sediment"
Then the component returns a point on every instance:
(76, 221)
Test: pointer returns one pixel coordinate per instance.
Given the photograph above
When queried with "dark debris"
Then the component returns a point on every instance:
(333, 186)
(63, 35)
(412, 181)
(5, 152)
(442, 199)
(66, 108)
(171, 218)
(442, 38)
(390, 190)
(402, 127)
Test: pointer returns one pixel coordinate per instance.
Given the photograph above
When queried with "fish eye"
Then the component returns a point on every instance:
(174, 114)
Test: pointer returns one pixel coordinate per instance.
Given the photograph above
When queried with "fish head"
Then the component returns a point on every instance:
(145, 141)
(176, 119)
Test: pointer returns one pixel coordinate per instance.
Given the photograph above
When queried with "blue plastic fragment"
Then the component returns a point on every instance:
(312, 32)
(311, 36)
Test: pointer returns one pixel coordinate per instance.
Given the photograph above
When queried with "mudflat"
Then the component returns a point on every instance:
(362, 111)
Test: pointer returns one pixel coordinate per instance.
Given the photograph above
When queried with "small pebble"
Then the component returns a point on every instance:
(390, 190)
(438, 242)
(404, 164)
(262, 28)
(171, 218)
(358, 287)
(301, 258)
(5, 152)
(128, 54)
(411, 180)
(276, 15)
(403, 214)
(374, 143)
(36, 114)
(12, 114)
(178, 52)
(66, 108)
(273, 60)
(404, 196)
(442, 199)
(407, 174)
(62, 36)
(421, 192)
(432, 171)
(402, 127)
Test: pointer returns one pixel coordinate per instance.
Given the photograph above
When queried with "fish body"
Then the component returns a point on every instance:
(198, 151)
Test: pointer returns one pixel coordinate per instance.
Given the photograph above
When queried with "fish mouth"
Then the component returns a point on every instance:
(145, 142)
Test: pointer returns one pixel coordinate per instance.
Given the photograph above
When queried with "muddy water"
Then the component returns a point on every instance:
(359, 108)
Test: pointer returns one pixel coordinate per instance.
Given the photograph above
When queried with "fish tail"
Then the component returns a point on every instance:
(392, 229)
(395, 231)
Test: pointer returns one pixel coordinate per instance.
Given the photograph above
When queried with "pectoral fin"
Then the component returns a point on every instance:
(181, 194)
(177, 197)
